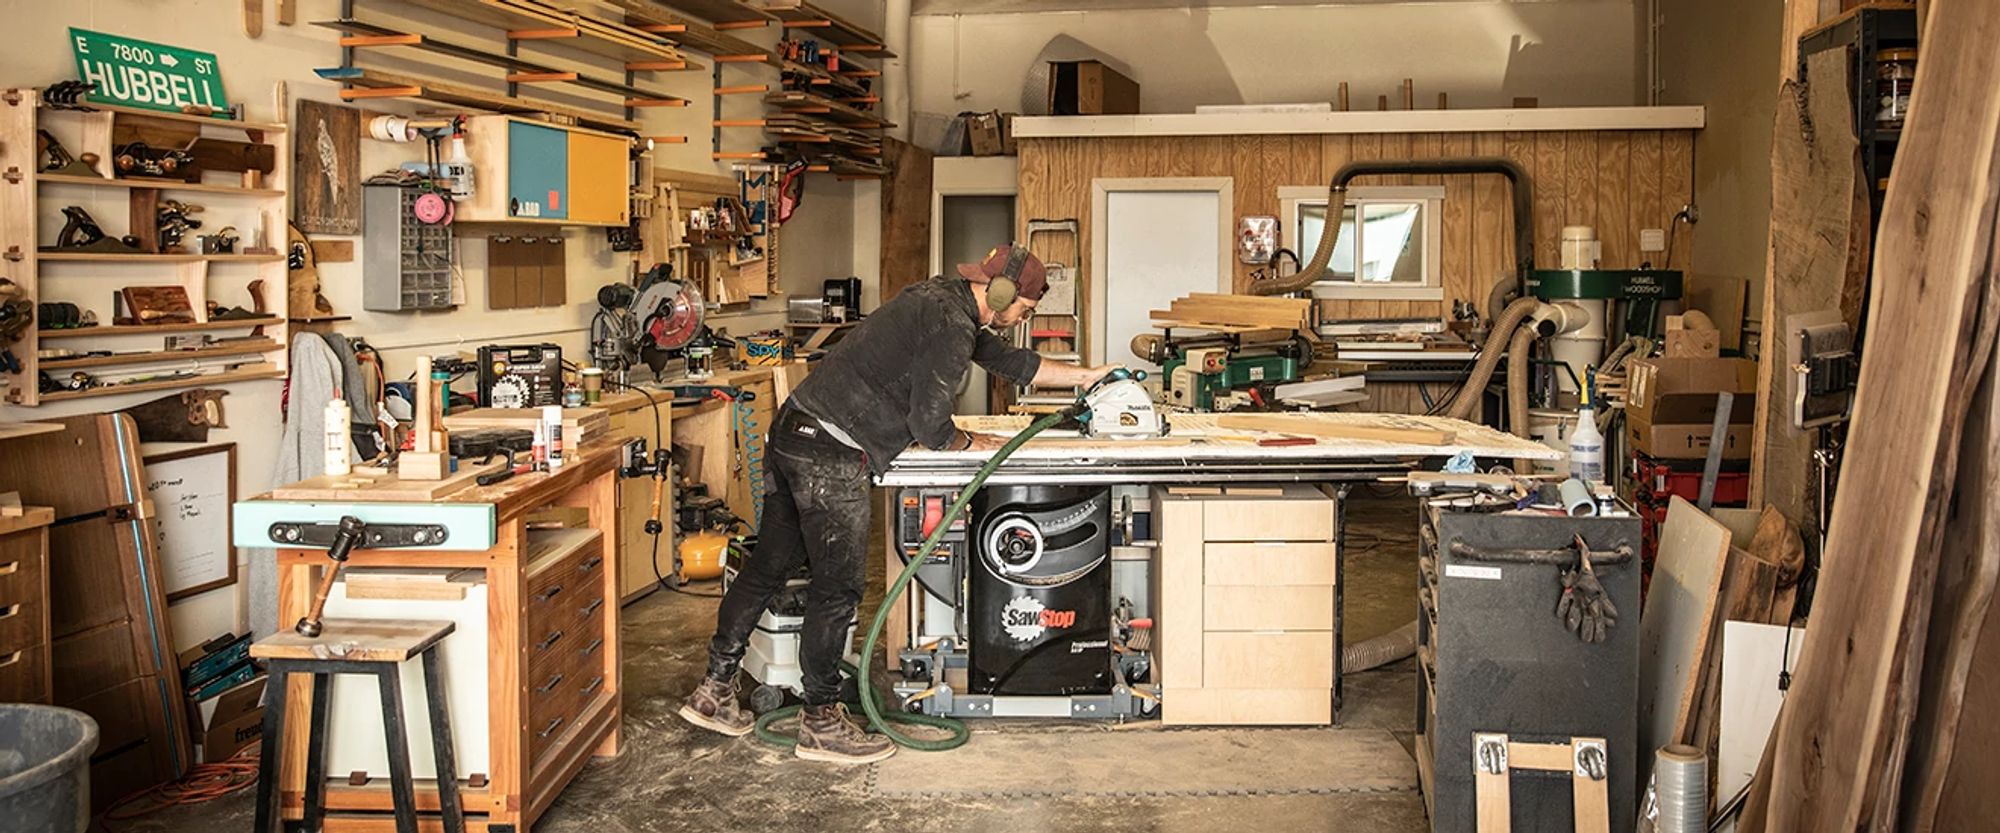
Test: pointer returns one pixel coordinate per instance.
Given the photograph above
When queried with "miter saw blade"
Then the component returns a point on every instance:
(677, 320)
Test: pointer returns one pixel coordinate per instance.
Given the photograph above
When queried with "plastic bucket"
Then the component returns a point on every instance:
(45, 767)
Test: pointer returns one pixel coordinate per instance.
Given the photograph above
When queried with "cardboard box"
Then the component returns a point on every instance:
(1670, 410)
(984, 132)
(223, 740)
(1089, 88)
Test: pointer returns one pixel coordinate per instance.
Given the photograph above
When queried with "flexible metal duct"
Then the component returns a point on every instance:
(1336, 202)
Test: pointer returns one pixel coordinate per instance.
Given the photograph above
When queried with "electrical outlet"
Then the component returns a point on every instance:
(1652, 240)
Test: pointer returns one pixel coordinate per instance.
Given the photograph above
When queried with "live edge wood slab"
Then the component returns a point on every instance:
(525, 773)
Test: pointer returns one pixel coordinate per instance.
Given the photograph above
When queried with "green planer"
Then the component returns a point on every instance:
(1198, 373)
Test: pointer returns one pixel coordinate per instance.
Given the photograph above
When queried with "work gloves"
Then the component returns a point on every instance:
(1585, 608)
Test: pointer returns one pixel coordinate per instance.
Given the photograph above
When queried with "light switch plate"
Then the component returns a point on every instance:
(1652, 240)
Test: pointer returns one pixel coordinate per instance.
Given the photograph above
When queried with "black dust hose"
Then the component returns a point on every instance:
(1336, 203)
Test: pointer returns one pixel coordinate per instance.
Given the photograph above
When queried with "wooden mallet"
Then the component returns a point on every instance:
(345, 537)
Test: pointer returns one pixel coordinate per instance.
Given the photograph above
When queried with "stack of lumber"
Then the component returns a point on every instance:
(1887, 725)
(593, 34)
(1236, 313)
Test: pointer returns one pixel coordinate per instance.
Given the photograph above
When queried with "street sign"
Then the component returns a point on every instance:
(138, 73)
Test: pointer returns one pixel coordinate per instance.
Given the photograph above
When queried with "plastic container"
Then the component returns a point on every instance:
(45, 767)
(1586, 448)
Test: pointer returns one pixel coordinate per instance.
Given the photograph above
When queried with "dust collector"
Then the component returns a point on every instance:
(1040, 588)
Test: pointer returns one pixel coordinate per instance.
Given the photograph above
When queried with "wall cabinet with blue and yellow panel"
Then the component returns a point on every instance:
(527, 171)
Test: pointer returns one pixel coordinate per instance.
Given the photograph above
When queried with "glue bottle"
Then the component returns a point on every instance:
(552, 417)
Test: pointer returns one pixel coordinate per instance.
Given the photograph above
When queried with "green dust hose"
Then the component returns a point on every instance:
(871, 702)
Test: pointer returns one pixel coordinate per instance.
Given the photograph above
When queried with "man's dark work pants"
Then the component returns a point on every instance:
(815, 514)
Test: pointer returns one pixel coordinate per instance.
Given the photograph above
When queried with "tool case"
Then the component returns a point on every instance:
(1516, 715)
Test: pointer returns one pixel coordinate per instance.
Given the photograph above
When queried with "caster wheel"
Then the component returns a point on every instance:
(766, 698)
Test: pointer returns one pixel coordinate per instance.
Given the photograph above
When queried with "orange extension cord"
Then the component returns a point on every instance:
(206, 782)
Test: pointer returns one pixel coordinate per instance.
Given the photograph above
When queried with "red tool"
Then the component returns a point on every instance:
(1285, 441)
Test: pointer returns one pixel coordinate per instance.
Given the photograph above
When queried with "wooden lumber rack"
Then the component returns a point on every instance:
(362, 35)
(365, 83)
(827, 26)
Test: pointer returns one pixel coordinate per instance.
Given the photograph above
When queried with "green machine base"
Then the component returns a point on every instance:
(1237, 372)
(1641, 290)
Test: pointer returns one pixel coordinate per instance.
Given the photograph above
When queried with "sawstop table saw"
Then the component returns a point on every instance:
(1063, 528)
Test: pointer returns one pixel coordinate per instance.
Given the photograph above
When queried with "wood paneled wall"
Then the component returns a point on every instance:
(1617, 181)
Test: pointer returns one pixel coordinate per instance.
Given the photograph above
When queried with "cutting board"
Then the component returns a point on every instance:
(372, 485)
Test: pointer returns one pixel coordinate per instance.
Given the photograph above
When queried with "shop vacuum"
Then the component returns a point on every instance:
(1040, 591)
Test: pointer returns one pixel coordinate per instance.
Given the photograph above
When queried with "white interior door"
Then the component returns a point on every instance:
(1155, 240)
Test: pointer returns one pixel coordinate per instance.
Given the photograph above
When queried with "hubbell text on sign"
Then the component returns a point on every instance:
(139, 73)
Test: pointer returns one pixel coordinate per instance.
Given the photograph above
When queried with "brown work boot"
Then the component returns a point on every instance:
(713, 706)
(825, 734)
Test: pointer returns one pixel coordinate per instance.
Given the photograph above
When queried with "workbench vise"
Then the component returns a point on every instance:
(340, 540)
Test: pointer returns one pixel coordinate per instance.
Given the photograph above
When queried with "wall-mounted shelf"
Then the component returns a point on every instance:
(247, 348)
(363, 83)
(154, 329)
(718, 11)
(104, 257)
(155, 184)
(363, 35)
(820, 24)
(62, 275)
(203, 380)
(528, 20)
(656, 19)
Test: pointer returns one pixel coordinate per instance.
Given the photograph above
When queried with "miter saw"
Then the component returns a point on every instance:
(650, 324)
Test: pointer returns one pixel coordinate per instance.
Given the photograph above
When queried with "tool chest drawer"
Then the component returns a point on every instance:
(557, 645)
(1292, 512)
(1267, 609)
(1269, 564)
(1259, 659)
(24, 674)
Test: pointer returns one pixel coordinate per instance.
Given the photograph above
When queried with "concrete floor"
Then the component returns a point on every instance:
(673, 777)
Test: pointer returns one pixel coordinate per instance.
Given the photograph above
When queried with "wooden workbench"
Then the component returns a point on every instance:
(534, 635)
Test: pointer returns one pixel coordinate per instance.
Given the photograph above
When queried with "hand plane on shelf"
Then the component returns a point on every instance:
(81, 233)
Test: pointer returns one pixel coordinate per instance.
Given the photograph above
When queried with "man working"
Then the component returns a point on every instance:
(892, 381)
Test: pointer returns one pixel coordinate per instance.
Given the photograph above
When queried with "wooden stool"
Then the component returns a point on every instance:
(357, 646)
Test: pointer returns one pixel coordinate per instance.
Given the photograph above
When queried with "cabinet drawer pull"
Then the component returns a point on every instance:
(592, 647)
(590, 564)
(550, 729)
(15, 657)
(10, 568)
(548, 594)
(551, 684)
(551, 640)
(10, 611)
(592, 607)
(592, 688)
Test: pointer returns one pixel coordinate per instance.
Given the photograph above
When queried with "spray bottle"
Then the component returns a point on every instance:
(1586, 444)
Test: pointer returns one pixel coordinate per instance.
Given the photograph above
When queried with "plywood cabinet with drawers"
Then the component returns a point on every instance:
(24, 605)
(1246, 605)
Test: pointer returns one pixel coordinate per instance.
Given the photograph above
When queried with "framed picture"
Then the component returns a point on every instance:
(193, 491)
(326, 179)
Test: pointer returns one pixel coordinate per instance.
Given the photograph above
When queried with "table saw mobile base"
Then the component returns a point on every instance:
(935, 669)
